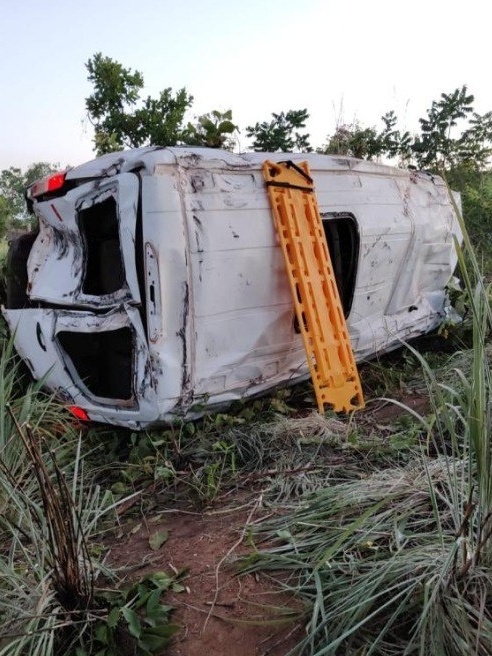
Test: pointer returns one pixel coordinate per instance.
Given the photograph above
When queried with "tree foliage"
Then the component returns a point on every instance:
(283, 133)
(437, 146)
(120, 120)
(213, 130)
(4, 215)
(452, 135)
(13, 183)
(355, 140)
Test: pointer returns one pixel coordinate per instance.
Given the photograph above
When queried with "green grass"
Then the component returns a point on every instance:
(399, 562)
(347, 489)
(56, 597)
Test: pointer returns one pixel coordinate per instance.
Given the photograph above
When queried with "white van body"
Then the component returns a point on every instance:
(156, 289)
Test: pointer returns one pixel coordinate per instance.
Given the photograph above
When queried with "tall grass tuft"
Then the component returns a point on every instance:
(399, 562)
(50, 601)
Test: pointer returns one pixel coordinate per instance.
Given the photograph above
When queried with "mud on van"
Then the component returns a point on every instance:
(155, 287)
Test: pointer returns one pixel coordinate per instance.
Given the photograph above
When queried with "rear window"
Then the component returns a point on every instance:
(104, 272)
(102, 361)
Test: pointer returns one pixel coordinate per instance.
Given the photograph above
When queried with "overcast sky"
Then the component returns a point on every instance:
(342, 60)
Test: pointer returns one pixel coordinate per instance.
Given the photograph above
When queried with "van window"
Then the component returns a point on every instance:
(102, 361)
(342, 236)
(104, 272)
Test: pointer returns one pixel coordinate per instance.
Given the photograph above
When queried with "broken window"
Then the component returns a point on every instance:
(104, 268)
(16, 279)
(103, 361)
(342, 236)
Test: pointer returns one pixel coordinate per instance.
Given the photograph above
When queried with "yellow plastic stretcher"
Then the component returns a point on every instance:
(313, 286)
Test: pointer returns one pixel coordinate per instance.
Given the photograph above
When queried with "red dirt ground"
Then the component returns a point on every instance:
(220, 613)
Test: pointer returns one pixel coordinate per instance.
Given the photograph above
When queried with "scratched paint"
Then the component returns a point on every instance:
(204, 293)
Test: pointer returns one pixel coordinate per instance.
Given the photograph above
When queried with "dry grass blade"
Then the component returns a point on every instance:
(71, 570)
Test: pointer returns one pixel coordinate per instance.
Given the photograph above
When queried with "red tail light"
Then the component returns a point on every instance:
(79, 413)
(47, 185)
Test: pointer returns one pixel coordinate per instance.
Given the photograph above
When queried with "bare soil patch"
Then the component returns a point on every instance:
(385, 411)
(220, 612)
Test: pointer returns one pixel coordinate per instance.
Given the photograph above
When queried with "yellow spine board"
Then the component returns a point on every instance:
(313, 286)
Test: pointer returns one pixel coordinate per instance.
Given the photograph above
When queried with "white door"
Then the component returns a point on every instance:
(98, 361)
(84, 254)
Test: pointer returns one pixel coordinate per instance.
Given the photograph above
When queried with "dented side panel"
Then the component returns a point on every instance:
(36, 333)
(165, 238)
(245, 337)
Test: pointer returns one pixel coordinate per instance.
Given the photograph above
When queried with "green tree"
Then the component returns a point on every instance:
(13, 183)
(475, 145)
(451, 136)
(283, 133)
(213, 130)
(392, 142)
(437, 146)
(4, 216)
(12, 186)
(119, 118)
(355, 140)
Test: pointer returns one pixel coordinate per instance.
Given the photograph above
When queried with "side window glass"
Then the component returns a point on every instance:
(342, 236)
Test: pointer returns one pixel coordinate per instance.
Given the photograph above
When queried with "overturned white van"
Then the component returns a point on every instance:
(155, 288)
